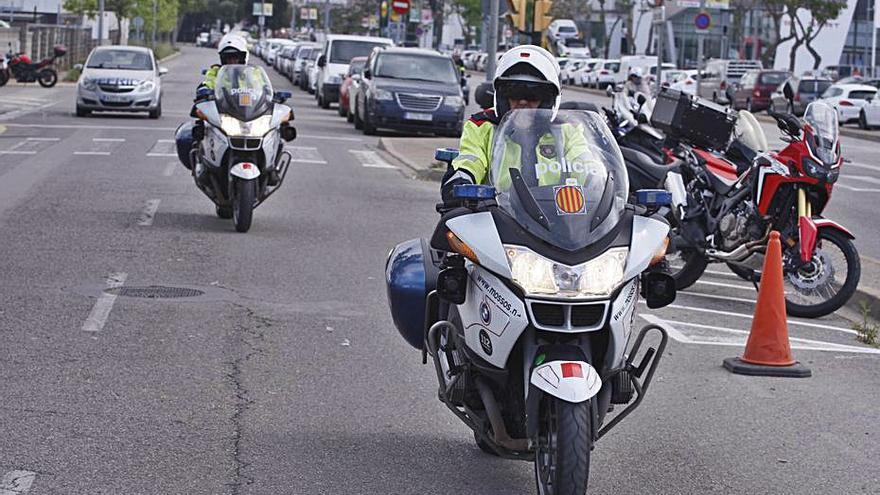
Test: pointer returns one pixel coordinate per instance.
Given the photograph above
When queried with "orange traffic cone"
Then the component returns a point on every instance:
(768, 352)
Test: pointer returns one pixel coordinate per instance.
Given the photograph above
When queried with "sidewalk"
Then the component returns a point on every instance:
(418, 155)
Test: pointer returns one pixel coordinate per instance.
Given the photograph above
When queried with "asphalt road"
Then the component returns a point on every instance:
(287, 376)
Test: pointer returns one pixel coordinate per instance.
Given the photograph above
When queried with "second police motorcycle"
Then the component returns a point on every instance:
(239, 159)
(525, 296)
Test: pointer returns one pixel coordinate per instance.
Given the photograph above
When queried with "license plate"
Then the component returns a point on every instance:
(427, 117)
(114, 98)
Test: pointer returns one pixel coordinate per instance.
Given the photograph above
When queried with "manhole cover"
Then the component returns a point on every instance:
(155, 292)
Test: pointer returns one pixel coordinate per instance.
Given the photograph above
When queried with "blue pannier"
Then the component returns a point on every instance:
(410, 275)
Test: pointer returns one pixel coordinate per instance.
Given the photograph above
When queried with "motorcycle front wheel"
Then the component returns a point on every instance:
(4, 77)
(243, 204)
(823, 285)
(562, 453)
(47, 78)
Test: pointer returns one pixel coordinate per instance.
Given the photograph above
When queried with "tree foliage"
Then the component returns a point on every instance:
(818, 13)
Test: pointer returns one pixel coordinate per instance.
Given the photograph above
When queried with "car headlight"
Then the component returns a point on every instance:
(539, 276)
(255, 128)
(454, 101)
(381, 94)
(146, 86)
(89, 84)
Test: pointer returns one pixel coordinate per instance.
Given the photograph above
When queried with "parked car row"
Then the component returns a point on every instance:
(375, 84)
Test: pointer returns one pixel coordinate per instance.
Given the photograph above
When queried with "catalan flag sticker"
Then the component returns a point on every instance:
(570, 200)
(244, 99)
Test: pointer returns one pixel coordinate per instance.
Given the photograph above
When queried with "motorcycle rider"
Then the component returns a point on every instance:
(635, 83)
(527, 78)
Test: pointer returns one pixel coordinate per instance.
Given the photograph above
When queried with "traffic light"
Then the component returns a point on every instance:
(542, 15)
(516, 13)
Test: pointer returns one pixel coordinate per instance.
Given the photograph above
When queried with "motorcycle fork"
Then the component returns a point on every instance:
(808, 234)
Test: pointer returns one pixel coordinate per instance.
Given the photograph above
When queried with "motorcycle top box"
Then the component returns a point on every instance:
(675, 113)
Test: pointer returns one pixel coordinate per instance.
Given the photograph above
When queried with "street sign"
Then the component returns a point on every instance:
(263, 9)
(703, 21)
(400, 6)
(138, 22)
(313, 14)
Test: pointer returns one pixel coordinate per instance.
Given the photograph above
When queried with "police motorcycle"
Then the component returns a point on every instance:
(525, 296)
(240, 160)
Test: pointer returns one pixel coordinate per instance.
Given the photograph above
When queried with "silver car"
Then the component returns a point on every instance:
(120, 79)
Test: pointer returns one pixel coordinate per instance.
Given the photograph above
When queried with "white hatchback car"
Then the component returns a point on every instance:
(848, 99)
(120, 79)
(869, 116)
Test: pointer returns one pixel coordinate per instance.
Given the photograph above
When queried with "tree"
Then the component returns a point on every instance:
(471, 15)
(570, 9)
(122, 8)
(819, 12)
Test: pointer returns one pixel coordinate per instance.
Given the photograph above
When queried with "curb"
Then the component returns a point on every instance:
(170, 57)
(865, 294)
(420, 171)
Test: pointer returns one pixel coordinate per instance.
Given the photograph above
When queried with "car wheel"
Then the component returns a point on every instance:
(369, 128)
(349, 117)
(155, 114)
(863, 121)
(358, 123)
(323, 102)
(82, 112)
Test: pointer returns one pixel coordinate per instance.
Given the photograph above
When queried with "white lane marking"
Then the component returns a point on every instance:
(162, 154)
(331, 138)
(856, 189)
(720, 298)
(371, 159)
(862, 165)
(795, 342)
(109, 140)
(169, 169)
(671, 330)
(93, 127)
(97, 153)
(25, 111)
(148, 213)
(15, 152)
(43, 139)
(16, 482)
(743, 315)
(164, 140)
(305, 154)
(101, 311)
(728, 286)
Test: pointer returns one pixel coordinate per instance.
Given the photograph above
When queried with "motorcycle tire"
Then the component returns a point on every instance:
(563, 468)
(4, 78)
(691, 271)
(47, 78)
(853, 274)
(243, 199)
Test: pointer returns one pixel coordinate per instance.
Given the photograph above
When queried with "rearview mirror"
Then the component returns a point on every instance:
(322, 61)
(367, 74)
(658, 289)
(288, 133)
(484, 95)
(163, 71)
(609, 90)
(78, 67)
(641, 98)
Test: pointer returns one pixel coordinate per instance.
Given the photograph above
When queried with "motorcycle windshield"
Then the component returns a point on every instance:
(243, 92)
(561, 177)
(823, 119)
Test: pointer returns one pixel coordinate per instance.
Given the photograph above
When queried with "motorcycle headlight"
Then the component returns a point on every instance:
(254, 128)
(89, 84)
(454, 101)
(381, 94)
(814, 169)
(539, 276)
(146, 86)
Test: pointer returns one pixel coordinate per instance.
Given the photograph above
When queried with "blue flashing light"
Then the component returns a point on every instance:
(653, 197)
(445, 154)
(473, 191)
(285, 95)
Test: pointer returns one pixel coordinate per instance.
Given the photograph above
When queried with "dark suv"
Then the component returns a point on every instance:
(410, 89)
(754, 89)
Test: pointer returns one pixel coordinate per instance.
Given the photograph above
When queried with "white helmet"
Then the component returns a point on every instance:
(231, 48)
(635, 72)
(531, 67)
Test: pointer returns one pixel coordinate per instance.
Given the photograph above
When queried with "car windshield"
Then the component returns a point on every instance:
(342, 51)
(314, 55)
(613, 66)
(120, 59)
(304, 53)
(416, 67)
(774, 78)
(243, 92)
(823, 119)
(561, 177)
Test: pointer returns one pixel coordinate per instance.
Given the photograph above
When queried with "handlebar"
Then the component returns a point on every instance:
(787, 123)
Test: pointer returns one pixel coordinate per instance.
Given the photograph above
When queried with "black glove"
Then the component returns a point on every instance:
(453, 178)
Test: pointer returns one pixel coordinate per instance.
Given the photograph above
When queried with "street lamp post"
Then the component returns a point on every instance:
(492, 39)
(155, 10)
(100, 22)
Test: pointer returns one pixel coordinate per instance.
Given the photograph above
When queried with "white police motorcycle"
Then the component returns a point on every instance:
(240, 160)
(525, 296)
